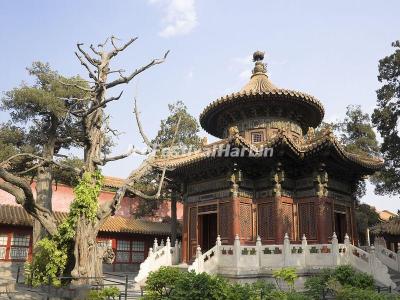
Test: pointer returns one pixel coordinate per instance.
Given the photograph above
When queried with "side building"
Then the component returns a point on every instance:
(129, 237)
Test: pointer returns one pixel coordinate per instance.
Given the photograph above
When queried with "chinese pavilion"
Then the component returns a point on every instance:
(305, 186)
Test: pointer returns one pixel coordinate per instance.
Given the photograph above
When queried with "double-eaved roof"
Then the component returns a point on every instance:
(302, 148)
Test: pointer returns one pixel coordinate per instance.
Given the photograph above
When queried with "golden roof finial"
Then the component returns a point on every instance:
(260, 67)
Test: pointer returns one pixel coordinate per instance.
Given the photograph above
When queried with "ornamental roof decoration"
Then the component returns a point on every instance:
(261, 91)
(302, 149)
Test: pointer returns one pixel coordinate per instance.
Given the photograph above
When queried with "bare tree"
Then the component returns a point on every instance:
(88, 257)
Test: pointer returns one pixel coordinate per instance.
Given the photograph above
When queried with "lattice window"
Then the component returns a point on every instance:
(20, 240)
(266, 223)
(3, 245)
(307, 220)
(193, 223)
(287, 216)
(19, 246)
(257, 137)
(137, 251)
(246, 221)
(123, 251)
(225, 219)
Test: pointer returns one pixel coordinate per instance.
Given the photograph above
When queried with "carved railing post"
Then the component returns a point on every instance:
(236, 251)
(347, 247)
(168, 252)
(335, 250)
(176, 253)
(155, 245)
(305, 250)
(259, 250)
(218, 248)
(162, 243)
(200, 260)
(286, 250)
(372, 261)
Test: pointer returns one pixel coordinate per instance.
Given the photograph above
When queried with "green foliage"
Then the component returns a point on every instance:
(49, 263)
(160, 284)
(170, 283)
(386, 119)
(288, 275)
(86, 194)
(104, 294)
(39, 117)
(338, 279)
(188, 128)
(366, 216)
(51, 254)
(187, 138)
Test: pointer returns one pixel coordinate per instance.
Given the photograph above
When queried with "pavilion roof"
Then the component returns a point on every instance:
(391, 227)
(17, 216)
(302, 148)
(261, 90)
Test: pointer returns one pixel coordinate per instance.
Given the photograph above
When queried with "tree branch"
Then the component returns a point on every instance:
(101, 104)
(140, 127)
(21, 190)
(105, 160)
(92, 61)
(119, 49)
(136, 72)
(83, 63)
(76, 86)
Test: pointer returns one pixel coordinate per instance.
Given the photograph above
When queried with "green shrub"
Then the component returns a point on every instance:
(353, 293)
(161, 283)
(347, 275)
(315, 285)
(107, 293)
(288, 275)
(201, 286)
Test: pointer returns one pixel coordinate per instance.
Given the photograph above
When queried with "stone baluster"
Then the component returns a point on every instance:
(200, 260)
(305, 250)
(218, 248)
(155, 245)
(162, 243)
(176, 252)
(168, 252)
(347, 247)
(286, 250)
(236, 251)
(372, 261)
(335, 250)
(259, 251)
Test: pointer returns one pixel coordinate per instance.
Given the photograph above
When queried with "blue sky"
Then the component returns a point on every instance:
(330, 50)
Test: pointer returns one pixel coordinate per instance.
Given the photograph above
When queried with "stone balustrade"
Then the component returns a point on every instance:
(159, 255)
(261, 260)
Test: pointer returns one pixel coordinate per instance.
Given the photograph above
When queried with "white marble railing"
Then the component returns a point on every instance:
(388, 257)
(238, 259)
(159, 255)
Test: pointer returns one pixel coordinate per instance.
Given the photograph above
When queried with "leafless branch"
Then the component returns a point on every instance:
(105, 42)
(92, 61)
(94, 50)
(139, 124)
(101, 104)
(83, 63)
(105, 160)
(136, 72)
(119, 49)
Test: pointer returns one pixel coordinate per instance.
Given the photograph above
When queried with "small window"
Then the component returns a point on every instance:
(257, 137)
(3, 245)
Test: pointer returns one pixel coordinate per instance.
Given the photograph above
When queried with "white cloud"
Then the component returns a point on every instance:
(245, 75)
(180, 17)
(190, 75)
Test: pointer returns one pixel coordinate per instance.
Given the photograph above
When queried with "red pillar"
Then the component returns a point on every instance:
(185, 235)
(278, 220)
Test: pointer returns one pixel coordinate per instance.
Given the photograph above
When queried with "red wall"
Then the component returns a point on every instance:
(63, 196)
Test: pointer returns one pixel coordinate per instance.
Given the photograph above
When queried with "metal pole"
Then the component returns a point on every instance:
(126, 287)
(19, 267)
